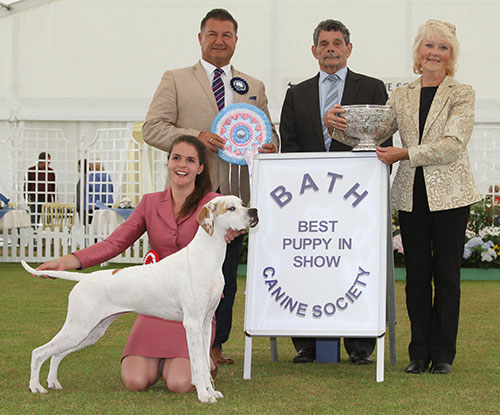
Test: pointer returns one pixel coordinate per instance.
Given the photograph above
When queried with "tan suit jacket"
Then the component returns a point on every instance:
(185, 104)
(443, 150)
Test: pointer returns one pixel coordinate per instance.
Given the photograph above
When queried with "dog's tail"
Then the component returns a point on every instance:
(65, 275)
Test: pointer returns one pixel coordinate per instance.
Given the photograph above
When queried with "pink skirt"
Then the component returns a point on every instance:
(155, 337)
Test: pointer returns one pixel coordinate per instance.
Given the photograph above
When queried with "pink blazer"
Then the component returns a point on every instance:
(155, 215)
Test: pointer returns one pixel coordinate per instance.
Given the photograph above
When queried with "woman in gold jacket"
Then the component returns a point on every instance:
(433, 190)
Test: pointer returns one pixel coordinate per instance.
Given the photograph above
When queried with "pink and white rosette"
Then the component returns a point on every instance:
(245, 128)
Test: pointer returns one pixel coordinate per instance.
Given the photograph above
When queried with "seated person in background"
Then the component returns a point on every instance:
(40, 186)
(157, 348)
(100, 186)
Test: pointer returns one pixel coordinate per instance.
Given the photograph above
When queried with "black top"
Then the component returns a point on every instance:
(419, 193)
(426, 96)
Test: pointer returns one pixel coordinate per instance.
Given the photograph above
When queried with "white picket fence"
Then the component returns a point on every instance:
(134, 168)
(43, 245)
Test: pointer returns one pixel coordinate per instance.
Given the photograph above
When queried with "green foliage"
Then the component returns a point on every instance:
(482, 247)
(483, 214)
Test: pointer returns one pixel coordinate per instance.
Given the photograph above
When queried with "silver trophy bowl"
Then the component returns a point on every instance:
(369, 124)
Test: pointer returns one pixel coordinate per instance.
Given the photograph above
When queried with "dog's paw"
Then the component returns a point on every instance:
(54, 385)
(209, 395)
(214, 393)
(206, 397)
(37, 388)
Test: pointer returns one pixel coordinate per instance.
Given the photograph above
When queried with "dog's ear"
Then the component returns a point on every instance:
(206, 218)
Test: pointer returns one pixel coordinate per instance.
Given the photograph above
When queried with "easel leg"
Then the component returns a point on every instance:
(274, 349)
(247, 363)
(380, 358)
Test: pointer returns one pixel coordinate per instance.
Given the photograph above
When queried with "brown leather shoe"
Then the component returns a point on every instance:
(220, 358)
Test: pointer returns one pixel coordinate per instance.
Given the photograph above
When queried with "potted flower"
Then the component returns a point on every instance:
(482, 246)
(125, 203)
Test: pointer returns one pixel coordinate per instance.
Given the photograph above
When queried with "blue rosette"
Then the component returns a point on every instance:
(245, 128)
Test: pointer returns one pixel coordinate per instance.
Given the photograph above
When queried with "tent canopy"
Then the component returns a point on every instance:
(81, 65)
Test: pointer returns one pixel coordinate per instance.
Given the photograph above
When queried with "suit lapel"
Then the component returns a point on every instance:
(414, 99)
(442, 95)
(237, 98)
(165, 209)
(311, 101)
(204, 84)
(350, 88)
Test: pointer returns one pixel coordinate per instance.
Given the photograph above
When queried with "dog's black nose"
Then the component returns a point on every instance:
(253, 213)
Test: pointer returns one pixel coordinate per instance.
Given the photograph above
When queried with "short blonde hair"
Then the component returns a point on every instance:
(431, 28)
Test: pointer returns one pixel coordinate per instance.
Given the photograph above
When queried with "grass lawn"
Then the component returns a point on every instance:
(33, 310)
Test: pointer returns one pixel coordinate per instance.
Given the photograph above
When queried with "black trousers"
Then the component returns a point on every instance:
(433, 247)
(224, 312)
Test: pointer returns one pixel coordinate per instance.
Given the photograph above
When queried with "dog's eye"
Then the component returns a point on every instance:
(231, 208)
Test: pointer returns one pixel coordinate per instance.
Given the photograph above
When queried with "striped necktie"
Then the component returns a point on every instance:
(331, 98)
(218, 88)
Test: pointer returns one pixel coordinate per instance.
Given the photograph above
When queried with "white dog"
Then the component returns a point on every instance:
(185, 286)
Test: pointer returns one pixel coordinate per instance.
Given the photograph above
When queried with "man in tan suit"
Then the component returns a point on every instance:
(185, 103)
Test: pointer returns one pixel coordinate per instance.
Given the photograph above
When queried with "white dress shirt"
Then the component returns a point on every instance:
(226, 78)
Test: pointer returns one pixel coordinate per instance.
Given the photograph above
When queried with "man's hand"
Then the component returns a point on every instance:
(333, 120)
(211, 141)
(231, 235)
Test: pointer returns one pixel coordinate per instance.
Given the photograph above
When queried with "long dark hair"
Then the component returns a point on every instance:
(203, 182)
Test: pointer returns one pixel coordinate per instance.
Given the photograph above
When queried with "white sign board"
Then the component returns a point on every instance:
(317, 259)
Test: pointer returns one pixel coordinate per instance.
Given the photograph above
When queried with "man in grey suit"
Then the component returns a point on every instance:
(302, 129)
(186, 102)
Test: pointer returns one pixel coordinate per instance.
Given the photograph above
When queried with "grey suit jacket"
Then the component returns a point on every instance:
(300, 125)
(185, 104)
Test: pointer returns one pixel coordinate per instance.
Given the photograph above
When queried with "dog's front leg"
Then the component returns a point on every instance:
(207, 345)
(200, 366)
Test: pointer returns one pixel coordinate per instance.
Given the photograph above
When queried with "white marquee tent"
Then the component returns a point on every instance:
(84, 65)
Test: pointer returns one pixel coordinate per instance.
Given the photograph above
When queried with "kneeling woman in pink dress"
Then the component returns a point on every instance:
(157, 348)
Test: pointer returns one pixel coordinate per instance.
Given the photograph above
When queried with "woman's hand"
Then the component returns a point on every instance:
(231, 235)
(390, 155)
(333, 120)
(63, 263)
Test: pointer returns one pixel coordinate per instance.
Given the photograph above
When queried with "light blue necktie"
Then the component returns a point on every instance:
(331, 99)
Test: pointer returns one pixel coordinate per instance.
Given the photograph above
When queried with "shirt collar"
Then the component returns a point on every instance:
(341, 73)
(209, 68)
